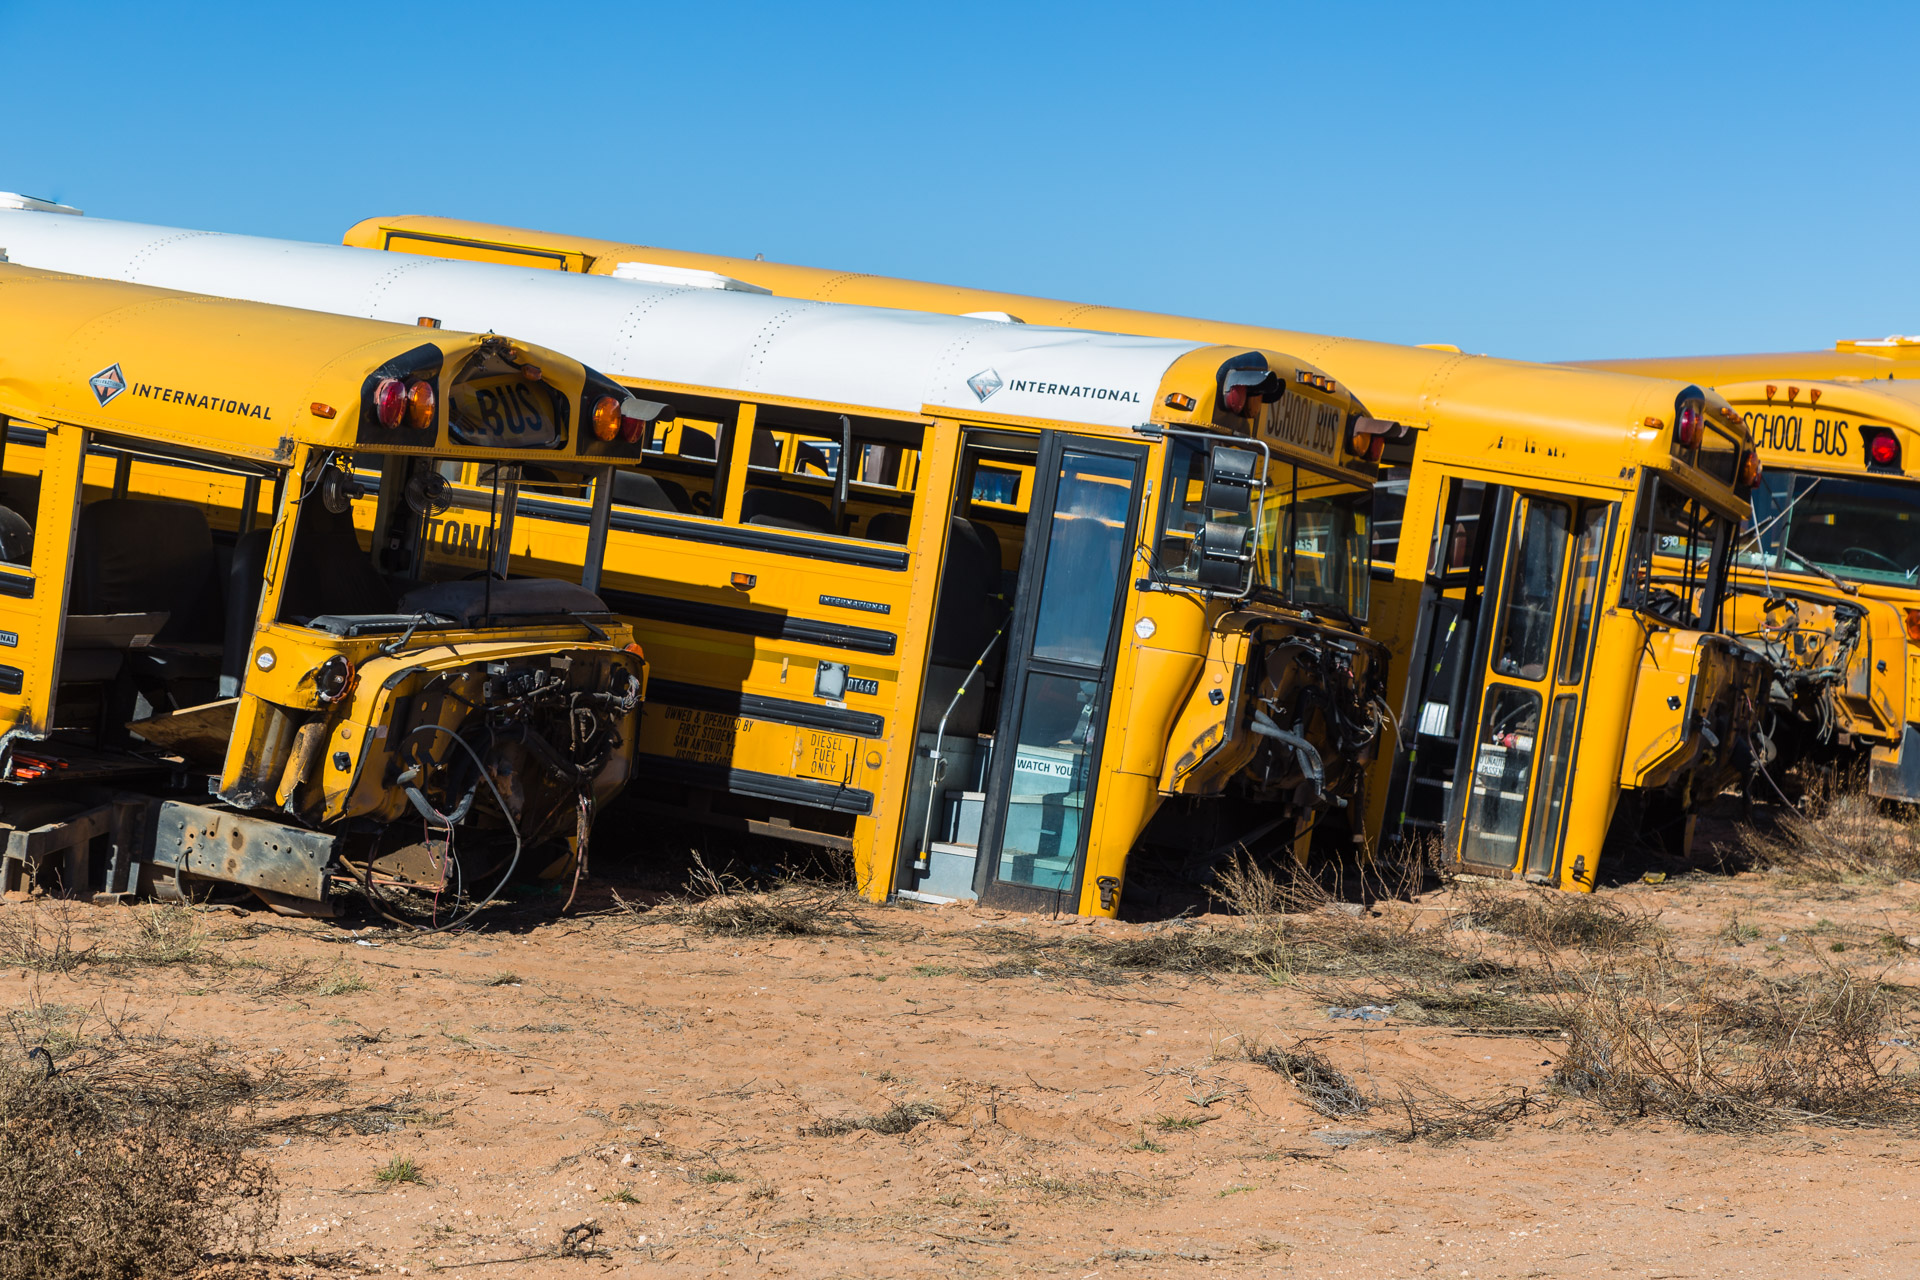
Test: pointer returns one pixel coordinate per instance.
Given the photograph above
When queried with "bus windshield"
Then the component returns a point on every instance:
(1314, 531)
(1866, 529)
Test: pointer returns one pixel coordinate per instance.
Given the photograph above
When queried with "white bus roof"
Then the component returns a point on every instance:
(692, 333)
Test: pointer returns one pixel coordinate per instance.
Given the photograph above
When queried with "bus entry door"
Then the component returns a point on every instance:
(1062, 639)
(1532, 666)
(39, 496)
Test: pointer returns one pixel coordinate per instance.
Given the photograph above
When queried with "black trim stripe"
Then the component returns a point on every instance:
(745, 782)
(746, 538)
(753, 706)
(750, 622)
(17, 585)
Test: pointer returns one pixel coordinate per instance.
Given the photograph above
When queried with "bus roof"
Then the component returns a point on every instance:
(1860, 360)
(1467, 402)
(243, 379)
(683, 334)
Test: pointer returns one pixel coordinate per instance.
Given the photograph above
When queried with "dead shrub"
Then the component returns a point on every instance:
(128, 1158)
(1553, 919)
(164, 935)
(1436, 1116)
(719, 903)
(901, 1117)
(1324, 1086)
(1842, 838)
(1725, 1050)
(39, 936)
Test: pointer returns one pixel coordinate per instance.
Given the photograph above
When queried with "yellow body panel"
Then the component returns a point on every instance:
(236, 417)
(1490, 421)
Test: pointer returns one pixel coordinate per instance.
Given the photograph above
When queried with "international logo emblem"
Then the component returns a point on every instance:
(982, 384)
(107, 383)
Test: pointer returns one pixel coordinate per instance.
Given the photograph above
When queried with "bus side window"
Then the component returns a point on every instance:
(794, 476)
(19, 496)
(677, 472)
(1458, 534)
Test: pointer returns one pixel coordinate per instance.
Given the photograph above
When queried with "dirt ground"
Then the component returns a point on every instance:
(638, 1074)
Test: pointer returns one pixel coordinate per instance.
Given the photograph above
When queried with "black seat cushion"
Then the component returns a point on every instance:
(16, 538)
(970, 608)
(246, 575)
(638, 489)
(328, 572)
(468, 602)
(779, 509)
(144, 555)
(889, 526)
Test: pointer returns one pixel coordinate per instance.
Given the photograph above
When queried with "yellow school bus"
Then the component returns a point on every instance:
(987, 605)
(1827, 581)
(1667, 733)
(275, 676)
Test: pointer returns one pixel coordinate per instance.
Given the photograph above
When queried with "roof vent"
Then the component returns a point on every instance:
(33, 204)
(682, 277)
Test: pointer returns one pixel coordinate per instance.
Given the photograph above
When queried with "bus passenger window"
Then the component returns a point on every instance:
(19, 495)
(1454, 541)
(1589, 551)
(795, 480)
(676, 473)
(1532, 590)
(1001, 488)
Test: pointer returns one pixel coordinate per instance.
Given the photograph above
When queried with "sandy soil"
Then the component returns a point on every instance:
(646, 1078)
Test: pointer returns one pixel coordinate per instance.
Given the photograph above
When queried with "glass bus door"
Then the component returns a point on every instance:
(1513, 769)
(1062, 639)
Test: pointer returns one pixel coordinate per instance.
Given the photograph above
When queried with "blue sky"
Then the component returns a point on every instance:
(1541, 181)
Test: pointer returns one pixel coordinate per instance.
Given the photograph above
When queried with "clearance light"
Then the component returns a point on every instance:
(606, 418)
(1750, 468)
(427, 322)
(420, 406)
(390, 401)
(531, 372)
(1770, 390)
(319, 410)
(1813, 395)
(744, 581)
(1652, 423)
(1184, 403)
(1686, 425)
(1792, 392)
(1913, 624)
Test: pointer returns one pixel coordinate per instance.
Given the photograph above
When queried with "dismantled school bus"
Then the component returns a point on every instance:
(1671, 733)
(972, 600)
(277, 676)
(1827, 578)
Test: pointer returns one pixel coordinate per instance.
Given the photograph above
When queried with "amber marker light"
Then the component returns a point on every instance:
(606, 418)
(531, 372)
(427, 322)
(1184, 403)
(744, 581)
(1813, 395)
(1750, 468)
(319, 410)
(420, 406)
(1913, 624)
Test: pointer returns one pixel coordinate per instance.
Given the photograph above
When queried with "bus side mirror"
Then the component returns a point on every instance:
(1231, 477)
(1221, 553)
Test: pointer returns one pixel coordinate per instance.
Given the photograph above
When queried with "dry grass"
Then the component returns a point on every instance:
(1725, 1049)
(1435, 1116)
(1842, 837)
(721, 904)
(1324, 1086)
(901, 1117)
(47, 936)
(127, 1156)
(1551, 919)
